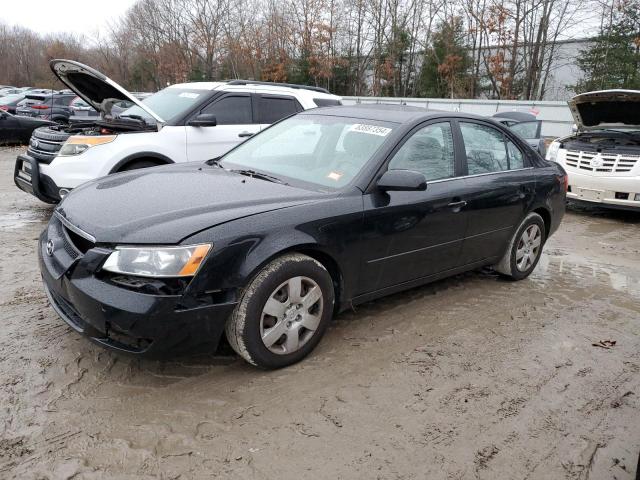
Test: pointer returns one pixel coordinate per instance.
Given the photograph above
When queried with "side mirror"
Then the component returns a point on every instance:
(203, 120)
(402, 181)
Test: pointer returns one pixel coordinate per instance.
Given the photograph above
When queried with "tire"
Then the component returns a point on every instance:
(50, 134)
(138, 164)
(523, 253)
(296, 327)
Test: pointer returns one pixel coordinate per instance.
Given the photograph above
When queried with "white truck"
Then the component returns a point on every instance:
(602, 157)
(184, 122)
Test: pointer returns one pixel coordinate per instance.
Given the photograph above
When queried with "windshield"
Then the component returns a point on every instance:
(322, 150)
(527, 130)
(167, 103)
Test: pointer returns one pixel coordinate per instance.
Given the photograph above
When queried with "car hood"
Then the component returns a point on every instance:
(93, 87)
(164, 205)
(606, 109)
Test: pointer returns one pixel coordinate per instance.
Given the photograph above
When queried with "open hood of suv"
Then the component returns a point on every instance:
(93, 87)
(606, 109)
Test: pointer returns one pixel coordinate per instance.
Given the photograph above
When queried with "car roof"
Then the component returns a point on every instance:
(388, 113)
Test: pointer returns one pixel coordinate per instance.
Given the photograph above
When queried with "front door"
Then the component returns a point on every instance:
(412, 235)
(235, 123)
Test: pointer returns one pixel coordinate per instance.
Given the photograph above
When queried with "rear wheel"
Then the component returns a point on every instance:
(283, 313)
(524, 249)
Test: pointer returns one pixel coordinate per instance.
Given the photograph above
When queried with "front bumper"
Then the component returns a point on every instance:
(27, 177)
(604, 190)
(121, 319)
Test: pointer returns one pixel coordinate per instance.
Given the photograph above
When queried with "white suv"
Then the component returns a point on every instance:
(603, 157)
(185, 122)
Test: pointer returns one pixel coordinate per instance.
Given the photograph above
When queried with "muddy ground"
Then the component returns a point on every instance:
(471, 377)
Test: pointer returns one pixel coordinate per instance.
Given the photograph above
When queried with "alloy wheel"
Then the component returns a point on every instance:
(291, 315)
(528, 247)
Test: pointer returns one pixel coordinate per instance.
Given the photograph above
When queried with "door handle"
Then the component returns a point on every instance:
(245, 134)
(457, 205)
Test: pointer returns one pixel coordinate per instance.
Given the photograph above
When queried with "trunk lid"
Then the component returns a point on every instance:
(606, 109)
(93, 87)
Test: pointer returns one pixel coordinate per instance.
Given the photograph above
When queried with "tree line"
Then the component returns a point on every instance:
(501, 49)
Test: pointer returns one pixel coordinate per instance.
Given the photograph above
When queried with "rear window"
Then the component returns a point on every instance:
(326, 102)
(36, 98)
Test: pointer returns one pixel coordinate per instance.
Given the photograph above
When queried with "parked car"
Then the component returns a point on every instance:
(10, 91)
(526, 125)
(81, 111)
(184, 122)
(602, 157)
(8, 103)
(324, 210)
(53, 107)
(16, 129)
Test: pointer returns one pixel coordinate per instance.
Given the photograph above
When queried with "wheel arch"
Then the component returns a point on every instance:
(152, 156)
(319, 254)
(546, 217)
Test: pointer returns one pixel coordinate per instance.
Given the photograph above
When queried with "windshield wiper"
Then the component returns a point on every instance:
(214, 162)
(260, 175)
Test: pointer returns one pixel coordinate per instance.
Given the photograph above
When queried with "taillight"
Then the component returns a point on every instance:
(40, 107)
(4, 107)
(564, 181)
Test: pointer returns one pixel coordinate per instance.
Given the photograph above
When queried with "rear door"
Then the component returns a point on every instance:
(272, 108)
(500, 187)
(413, 235)
(235, 123)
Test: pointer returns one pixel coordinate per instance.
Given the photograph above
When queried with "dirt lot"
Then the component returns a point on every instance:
(472, 377)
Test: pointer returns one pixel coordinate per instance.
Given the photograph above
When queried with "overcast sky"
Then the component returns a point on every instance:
(73, 16)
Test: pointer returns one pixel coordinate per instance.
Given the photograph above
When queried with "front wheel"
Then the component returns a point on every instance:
(283, 312)
(524, 249)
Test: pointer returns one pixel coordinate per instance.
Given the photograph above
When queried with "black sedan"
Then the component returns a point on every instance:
(18, 129)
(324, 210)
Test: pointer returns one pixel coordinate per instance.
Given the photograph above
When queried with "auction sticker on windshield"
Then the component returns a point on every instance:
(370, 129)
(189, 95)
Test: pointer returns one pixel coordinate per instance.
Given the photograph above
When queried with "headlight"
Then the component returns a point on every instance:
(157, 261)
(552, 151)
(78, 144)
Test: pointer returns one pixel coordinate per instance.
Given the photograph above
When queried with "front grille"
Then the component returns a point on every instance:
(68, 246)
(601, 162)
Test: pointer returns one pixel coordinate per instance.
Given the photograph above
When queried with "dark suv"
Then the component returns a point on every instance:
(49, 107)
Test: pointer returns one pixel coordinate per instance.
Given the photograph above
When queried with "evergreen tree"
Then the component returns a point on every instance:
(613, 60)
(445, 68)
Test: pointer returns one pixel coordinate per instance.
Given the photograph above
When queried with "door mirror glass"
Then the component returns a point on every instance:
(402, 181)
(203, 120)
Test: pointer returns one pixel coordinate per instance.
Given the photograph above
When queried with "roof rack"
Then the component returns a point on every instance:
(275, 84)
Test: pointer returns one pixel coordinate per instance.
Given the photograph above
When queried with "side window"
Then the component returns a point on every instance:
(231, 110)
(485, 148)
(273, 109)
(516, 158)
(428, 151)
